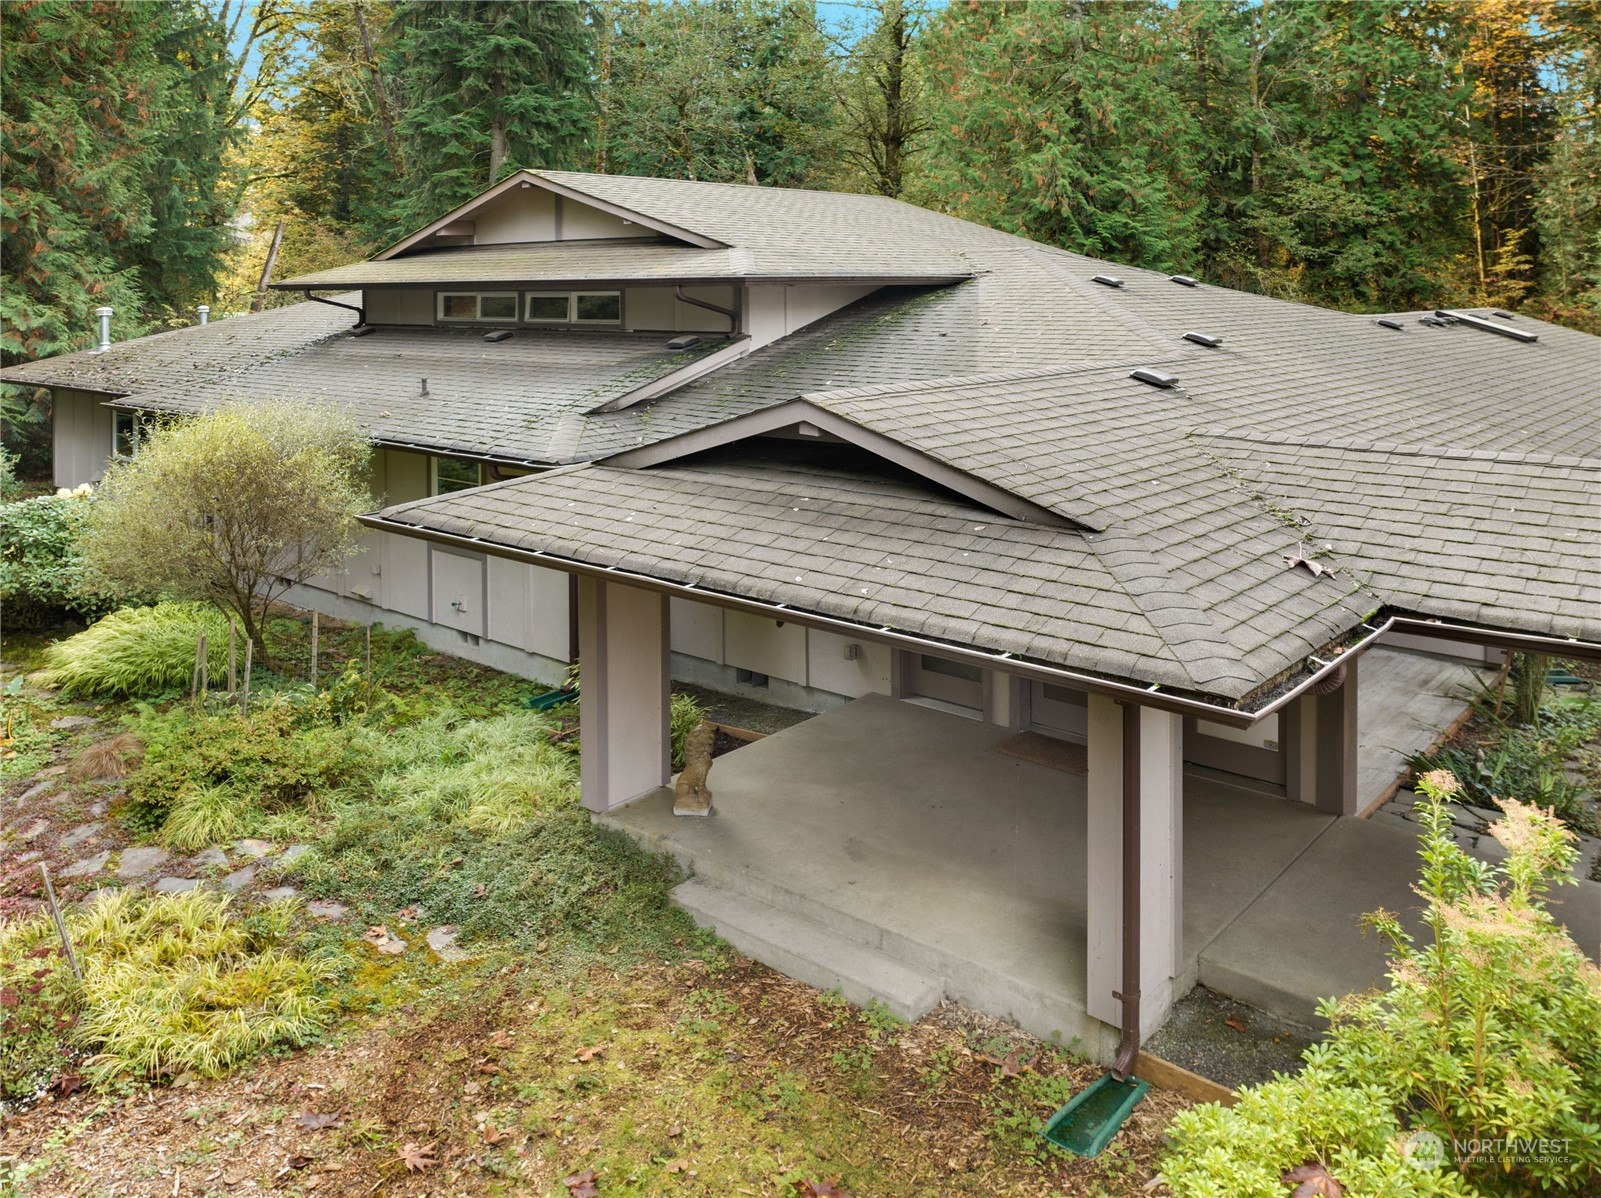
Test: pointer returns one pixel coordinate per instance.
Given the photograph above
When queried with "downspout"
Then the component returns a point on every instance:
(361, 313)
(733, 316)
(1129, 1049)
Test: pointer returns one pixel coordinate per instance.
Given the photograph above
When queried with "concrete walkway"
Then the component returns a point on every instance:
(885, 850)
(1406, 702)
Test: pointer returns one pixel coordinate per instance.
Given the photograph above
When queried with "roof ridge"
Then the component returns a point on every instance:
(1352, 445)
(1021, 374)
(1204, 653)
(1101, 297)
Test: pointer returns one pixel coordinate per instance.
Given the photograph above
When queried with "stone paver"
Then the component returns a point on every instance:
(30, 855)
(89, 865)
(205, 859)
(443, 941)
(253, 848)
(137, 862)
(278, 893)
(36, 790)
(72, 721)
(293, 853)
(240, 878)
(174, 885)
(326, 909)
(80, 834)
(33, 829)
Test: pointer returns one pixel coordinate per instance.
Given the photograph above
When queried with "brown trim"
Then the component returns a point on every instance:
(560, 190)
(1149, 695)
(795, 411)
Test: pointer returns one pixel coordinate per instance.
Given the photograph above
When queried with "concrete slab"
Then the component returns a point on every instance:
(805, 949)
(1405, 701)
(1302, 940)
(895, 826)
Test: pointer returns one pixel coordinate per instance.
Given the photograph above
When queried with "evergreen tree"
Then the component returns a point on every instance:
(486, 87)
(1063, 122)
(112, 154)
(726, 90)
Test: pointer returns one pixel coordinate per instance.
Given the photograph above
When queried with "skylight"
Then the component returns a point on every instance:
(1206, 339)
(1107, 281)
(1181, 280)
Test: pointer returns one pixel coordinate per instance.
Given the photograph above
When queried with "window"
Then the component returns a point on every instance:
(472, 305)
(549, 307)
(453, 474)
(124, 434)
(598, 307)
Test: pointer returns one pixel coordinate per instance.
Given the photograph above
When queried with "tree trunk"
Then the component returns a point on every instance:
(380, 96)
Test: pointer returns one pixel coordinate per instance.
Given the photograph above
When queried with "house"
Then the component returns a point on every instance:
(836, 451)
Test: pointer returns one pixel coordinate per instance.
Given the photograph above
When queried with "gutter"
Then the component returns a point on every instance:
(1150, 695)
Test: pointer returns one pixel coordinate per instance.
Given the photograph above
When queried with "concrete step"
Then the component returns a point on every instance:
(807, 950)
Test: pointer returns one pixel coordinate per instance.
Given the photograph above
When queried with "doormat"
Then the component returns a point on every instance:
(1061, 755)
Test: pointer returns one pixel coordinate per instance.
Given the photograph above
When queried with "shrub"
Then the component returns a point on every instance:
(138, 651)
(41, 570)
(213, 770)
(1489, 1033)
(683, 716)
(233, 507)
(172, 984)
(1525, 759)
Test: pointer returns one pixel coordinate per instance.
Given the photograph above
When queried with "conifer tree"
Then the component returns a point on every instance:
(112, 158)
(736, 91)
(487, 87)
(1062, 122)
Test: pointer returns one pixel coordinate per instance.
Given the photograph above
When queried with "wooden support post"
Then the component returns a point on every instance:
(244, 694)
(61, 924)
(233, 675)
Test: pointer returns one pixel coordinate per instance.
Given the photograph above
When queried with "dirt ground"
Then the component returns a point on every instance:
(709, 1077)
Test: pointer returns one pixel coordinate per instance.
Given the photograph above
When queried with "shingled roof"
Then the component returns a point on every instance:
(1437, 468)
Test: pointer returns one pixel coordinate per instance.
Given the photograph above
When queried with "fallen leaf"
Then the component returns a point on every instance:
(501, 1039)
(582, 1185)
(1235, 1022)
(820, 1189)
(299, 1162)
(590, 1053)
(678, 1166)
(408, 914)
(493, 1135)
(417, 1159)
(311, 1121)
(675, 1131)
(378, 936)
(1313, 1180)
(480, 890)
(69, 1083)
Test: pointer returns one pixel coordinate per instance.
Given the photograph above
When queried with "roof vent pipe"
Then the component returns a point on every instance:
(105, 329)
(204, 312)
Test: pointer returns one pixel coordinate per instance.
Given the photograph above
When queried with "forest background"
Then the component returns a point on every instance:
(1371, 155)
